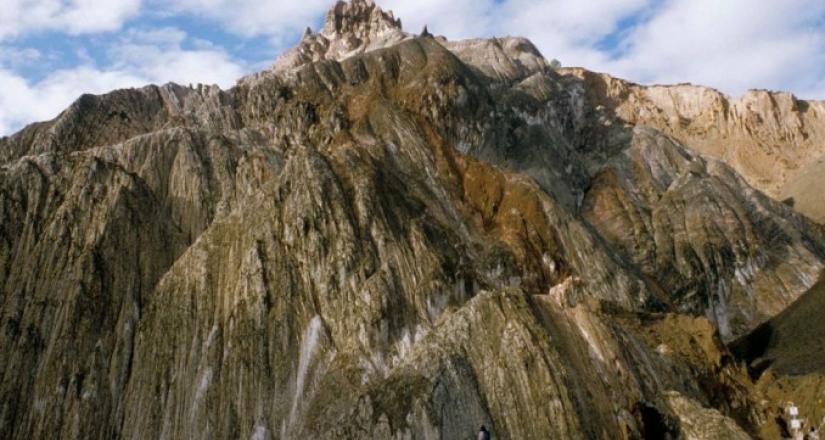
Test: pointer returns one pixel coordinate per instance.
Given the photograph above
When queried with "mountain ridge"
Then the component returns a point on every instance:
(405, 242)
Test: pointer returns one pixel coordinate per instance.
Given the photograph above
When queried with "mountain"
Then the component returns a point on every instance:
(388, 235)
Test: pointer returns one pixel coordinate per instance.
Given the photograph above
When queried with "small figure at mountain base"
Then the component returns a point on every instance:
(483, 433)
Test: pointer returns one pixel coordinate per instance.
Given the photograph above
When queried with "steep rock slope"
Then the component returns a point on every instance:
(711, 241)
(690, 223)
(770, 138)
(85, 238)
(382, 236)
(667, 208)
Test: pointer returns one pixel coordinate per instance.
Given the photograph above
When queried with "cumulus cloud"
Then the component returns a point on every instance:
(158, 56)
(733, 45)
(562, 28)
(568, 30)
(278, 19)
(13, 57)
(19, 17)
(454, 19)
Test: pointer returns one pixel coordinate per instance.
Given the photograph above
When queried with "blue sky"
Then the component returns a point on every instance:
(51, 51)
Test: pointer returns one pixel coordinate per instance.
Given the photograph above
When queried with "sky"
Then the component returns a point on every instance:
(52, 51)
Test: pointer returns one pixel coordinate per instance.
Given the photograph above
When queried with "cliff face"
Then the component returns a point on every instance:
(382, 236)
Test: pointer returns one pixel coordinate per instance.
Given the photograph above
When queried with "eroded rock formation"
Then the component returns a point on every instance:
(385, 236)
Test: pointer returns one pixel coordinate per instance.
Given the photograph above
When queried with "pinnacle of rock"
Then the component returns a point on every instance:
(350, 28)
(359, 18)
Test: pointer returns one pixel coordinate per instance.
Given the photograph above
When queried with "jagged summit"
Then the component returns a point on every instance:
(362, 18)
(360, 26)
(351, 27)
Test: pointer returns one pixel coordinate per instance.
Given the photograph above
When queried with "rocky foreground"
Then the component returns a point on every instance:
(388, 235)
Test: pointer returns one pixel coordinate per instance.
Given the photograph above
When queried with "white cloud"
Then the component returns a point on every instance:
(279, 19)
(567, 30)
(12, 57)
(159, 65)
(19, 17)
(158, 56)
(561, 28)
(164, 36)
(733, 45)
(454, 18)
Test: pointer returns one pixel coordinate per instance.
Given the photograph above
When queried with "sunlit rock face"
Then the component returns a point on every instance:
(773, 139)
(384, 235)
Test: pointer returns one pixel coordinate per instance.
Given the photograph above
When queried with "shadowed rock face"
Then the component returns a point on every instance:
(382, 236)
(785, 357)
(788, 343)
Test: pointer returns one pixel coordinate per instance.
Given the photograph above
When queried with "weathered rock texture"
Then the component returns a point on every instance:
(774, 140)
(382, 236)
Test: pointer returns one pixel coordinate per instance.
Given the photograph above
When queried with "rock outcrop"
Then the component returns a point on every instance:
(383, 236)
(350, 29)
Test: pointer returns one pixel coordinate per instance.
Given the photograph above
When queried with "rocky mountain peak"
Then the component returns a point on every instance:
(359, 26)
(351, 28)
(359, 18)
